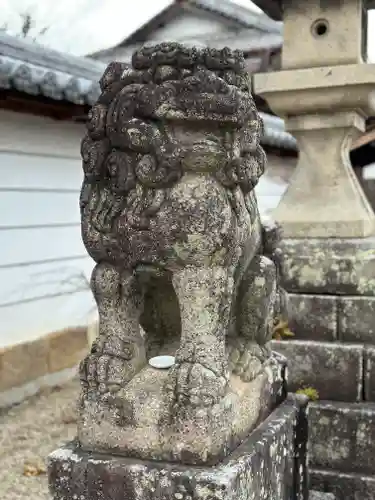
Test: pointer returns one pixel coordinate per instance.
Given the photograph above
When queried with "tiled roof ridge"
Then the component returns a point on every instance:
(36, 70)
(51, 81)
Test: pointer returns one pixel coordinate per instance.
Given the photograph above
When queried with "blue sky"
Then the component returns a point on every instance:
(83, 26)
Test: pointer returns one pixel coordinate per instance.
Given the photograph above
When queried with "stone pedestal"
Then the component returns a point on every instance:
(140, 422)
(270, 464)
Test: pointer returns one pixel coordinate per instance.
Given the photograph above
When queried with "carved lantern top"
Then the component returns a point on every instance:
(274, 8)
(324, 33)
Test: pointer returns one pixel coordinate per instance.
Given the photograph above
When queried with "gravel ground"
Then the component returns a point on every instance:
(28, 433)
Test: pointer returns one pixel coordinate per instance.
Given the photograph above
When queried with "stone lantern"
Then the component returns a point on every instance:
(324, 92)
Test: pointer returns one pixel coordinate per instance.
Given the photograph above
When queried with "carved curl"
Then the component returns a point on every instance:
(128, 149)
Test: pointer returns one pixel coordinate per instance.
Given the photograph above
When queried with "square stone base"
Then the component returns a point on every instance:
(268, 465)
(142, 422)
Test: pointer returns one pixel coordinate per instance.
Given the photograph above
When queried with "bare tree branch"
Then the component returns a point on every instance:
(28, 24)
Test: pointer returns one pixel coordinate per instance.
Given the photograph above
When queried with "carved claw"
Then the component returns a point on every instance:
(104, 373)
(196, 385)
(246, 359)
(111, 364)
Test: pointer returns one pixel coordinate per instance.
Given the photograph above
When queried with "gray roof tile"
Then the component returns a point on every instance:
(37, 71)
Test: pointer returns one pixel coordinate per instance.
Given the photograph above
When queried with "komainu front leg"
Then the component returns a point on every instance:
(200, 375)
(248, 350)
(118, 353)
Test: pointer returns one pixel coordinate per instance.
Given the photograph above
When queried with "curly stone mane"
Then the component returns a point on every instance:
(128, 151)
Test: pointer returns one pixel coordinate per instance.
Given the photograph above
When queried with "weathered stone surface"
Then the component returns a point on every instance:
(138, 423)
(320, 495)
(344, 486)
(334, 370)
(329, 266)
(169, 214)
(267, 465)
(312, 317)
(342, 436)
(369, 373)
(356, 319)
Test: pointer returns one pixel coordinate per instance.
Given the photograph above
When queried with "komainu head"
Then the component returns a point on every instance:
(176, 109)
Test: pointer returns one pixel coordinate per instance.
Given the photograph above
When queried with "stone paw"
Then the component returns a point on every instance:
(196, 385)
(109, 366)
(246, 360)
(103, 373)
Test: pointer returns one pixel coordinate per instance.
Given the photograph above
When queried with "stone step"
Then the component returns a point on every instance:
(320, 495)
(332, 317)
(335, 370)
(343, 486)
(342, 436)
(329, 266)
(312, 317)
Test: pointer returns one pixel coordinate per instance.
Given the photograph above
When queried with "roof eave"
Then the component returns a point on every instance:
(33, 70)
(257, 21)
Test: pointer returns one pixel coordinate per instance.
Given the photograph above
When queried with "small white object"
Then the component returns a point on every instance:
(368, 172)
(162, 362)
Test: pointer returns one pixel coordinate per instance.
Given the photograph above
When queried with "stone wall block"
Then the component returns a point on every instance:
(356, 319)
(313, 317)
(333, 369)
(342, 436)
(268, 464)
(67, 348)
(335, 266)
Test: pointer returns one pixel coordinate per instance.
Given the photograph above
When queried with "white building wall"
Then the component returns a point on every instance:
(44, 268)
(43, 264)
(274, 182)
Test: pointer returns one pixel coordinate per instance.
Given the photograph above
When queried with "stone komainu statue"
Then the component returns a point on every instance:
(169, 214)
